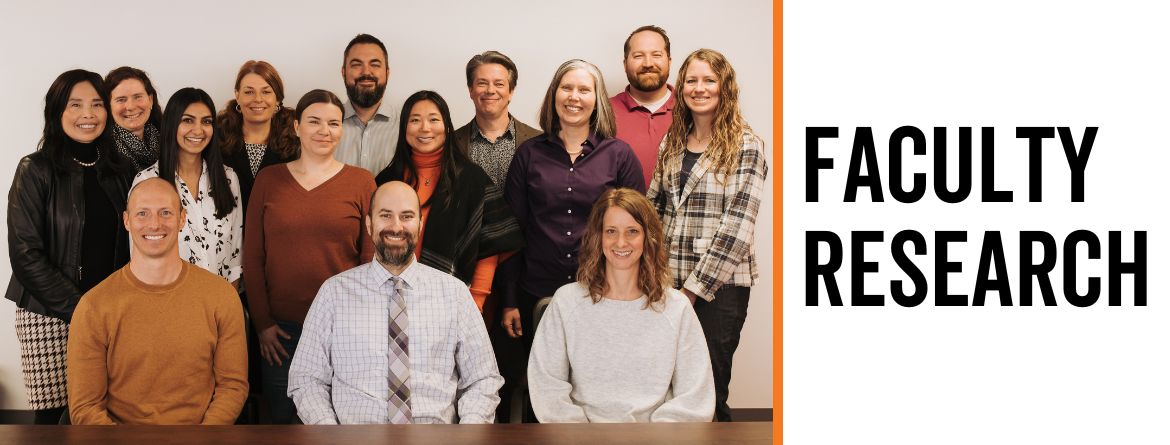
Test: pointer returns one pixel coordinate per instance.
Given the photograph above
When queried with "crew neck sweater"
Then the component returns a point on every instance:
(146, 354)
(619, 361)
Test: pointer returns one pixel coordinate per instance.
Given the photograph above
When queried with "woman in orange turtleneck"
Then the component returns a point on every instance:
(466, 226)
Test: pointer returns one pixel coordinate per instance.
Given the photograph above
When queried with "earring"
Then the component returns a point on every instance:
(238, 108)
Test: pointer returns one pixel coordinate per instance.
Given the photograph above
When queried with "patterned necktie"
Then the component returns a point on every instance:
(399, 356)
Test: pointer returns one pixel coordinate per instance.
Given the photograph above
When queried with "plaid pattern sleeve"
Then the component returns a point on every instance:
(734, 222)
(655, 193)
(716, 224)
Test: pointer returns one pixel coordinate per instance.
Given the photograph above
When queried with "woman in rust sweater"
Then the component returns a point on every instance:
(304, 224)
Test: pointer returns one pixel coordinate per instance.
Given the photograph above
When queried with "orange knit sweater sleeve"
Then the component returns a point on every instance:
(481, 280)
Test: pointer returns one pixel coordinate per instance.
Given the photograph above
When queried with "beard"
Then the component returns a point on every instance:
(365, 97)
(647, 80)
(394, 256)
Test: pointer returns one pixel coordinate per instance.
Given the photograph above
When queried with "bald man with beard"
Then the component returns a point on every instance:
(393, 340)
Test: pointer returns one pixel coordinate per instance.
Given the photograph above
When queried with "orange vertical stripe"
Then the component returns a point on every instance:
(778, 215)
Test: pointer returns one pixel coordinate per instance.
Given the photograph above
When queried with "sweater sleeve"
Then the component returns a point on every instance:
(86, 361)
(481, 281)
(692, 388)
(255, 256)
(230, 360)
(365, 242)
(549, 371)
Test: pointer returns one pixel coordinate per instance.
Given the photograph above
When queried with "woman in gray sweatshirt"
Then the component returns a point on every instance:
(620, 345)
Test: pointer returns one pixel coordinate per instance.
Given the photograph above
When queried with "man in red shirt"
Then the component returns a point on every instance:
(643, 110)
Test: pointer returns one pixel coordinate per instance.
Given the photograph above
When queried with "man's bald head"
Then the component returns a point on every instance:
(154, 216)
(153, 185)
(393, 223)
(396, 191)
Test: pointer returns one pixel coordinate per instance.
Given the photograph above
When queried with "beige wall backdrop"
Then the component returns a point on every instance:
(202, 44)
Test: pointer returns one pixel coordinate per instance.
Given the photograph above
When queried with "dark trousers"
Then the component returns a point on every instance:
(250, 414)
(722, 320)
(51, 416)
(512, 359)
(275, 378)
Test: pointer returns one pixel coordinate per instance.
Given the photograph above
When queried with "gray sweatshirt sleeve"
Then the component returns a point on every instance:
(548, 371)
(692, 395)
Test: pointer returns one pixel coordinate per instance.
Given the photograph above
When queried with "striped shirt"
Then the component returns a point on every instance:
(369, 145)
(340, 373)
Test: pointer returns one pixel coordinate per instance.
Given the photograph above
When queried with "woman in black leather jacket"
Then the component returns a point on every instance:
(65, 232)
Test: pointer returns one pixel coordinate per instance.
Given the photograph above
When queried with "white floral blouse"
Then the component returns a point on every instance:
(205, 241)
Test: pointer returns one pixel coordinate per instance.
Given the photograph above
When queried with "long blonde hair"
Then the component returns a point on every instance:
(653, 268)
(728, 126)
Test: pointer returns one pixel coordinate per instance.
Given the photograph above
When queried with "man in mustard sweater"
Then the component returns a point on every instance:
(160, 341)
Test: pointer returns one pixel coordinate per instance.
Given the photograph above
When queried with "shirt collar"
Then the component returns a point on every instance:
(409, 276)
(591, 142)
(349, 111)
(510, 131)
(628, 101)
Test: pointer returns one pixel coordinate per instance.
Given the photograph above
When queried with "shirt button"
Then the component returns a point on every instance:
(570, 277)
(570, 168)
(568, 255)
(569, 233)
(570, 189)
(570, 211)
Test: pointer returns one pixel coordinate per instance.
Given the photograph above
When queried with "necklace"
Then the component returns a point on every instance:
(90, 163)
(699, 140)
(426, 181)
(699, 145)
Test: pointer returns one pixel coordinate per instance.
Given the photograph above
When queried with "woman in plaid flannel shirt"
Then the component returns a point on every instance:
(707, 188)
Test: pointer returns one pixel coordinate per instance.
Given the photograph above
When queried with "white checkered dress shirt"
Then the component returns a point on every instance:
(340, 373)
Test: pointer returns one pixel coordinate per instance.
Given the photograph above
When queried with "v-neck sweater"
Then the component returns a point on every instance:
(294, 239)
